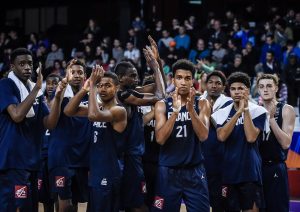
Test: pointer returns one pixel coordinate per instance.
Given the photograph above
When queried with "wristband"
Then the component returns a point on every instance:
(246, 109)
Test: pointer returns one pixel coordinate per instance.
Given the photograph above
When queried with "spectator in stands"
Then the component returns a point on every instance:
(55, 54)
(270, 66)
(33, 43)
(218, 52)
(164, 42)
(200, 52)
(13, 39)
(217, 34)
(138, 24)
(270, 45)
(133, 53)
(101, 52)
(182, 40)
(292, 76)
(175, 27)
(245, 35)
(89, 40)
(236, 66)
(92, 28)
(232, 50)
(157, 31)
(296, 27)
(250, 59)
(282, 33)
(58, 69)
(117, 50)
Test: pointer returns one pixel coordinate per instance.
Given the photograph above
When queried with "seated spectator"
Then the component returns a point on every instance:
(132, 53)
(218, 52)
(117, 50)
(270, 44)
(182, 40)
(55, 54)
(163, 43)
(200, 52)
(92, 28)
(138, 24)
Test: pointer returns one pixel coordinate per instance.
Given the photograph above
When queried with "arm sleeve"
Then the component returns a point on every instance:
(122, 95)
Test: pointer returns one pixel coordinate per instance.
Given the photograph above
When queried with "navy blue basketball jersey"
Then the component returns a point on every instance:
(182, 148)
(242, 162)
(104, 164)
(151, 146)
(20, 143)
(270, 149)
(213, 150)
(135, 143)
(69, 142)
(45, 144)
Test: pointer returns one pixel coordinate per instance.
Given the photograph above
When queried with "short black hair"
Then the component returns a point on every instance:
(112, 76)
(270, 52)
(239, 77)
(79, 63)
(218, 74)
(122, 67)
(17, 52)
(183, 64)
(54, 76)
(270, 36)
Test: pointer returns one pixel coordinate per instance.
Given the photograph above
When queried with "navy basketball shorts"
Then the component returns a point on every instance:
(70, 183)
(242, 196)
(215, 191)
(175, 184)
(276, 187)
(18, 189)
(105, 197)
(44, 192)
(150, 171)
(133, 187)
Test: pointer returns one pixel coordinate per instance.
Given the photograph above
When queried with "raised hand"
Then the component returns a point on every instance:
(176, 101)
(271, 108)
(97, 74)
(39, 80)
(246, 97)
(241, 105)
(150, 58)
(69, 68)
(191, 99)
(199, 63)
(61, 87)
(154, 48)
(86, 85)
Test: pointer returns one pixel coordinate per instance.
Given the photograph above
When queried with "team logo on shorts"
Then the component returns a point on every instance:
(60, 181)
(224, 191)
(40, 182)
(144, 187)
(158, 202)
(20, 192)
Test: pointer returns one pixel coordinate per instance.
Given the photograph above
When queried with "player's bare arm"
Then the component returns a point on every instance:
(284, 133)
(164, 126)
(18, 112)
(51, 120)
(251, 132)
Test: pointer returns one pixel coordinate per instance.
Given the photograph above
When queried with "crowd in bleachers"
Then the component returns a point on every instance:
(228, 42)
